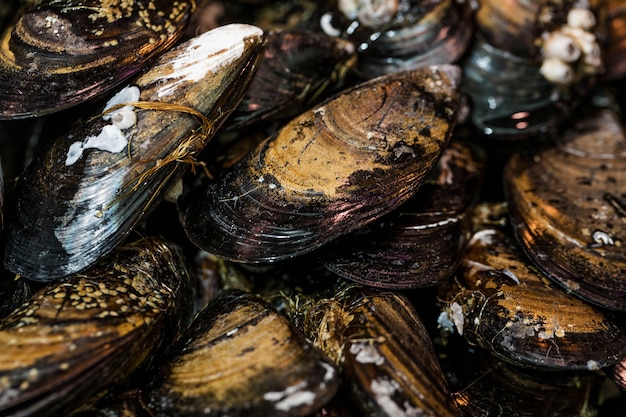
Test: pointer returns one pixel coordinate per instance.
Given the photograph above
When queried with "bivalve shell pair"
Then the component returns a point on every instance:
(81, 197)
(336, 167)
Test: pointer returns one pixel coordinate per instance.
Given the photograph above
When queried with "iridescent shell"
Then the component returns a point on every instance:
(63, 52)
(79, 199)
(329, 171)
(567, 208)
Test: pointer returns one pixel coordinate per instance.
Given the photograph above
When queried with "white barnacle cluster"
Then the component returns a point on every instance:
(111, 138)
(572, 51)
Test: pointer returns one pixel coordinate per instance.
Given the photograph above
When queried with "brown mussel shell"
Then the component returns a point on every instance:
(79, 199)
(61, 53)
(521, 317)
(567, 206)
(240, 357)
(329, 171)
(298, 67)
(420, 243)
(482, 385)
(384, 350)
(615, 56)
(76, 337)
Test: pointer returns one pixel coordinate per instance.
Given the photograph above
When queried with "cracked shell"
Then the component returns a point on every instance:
(330, 170)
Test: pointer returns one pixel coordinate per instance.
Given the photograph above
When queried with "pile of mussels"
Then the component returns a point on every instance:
(304, 208)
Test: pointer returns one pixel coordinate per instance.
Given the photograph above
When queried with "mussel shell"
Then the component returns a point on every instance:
(440, 34)
(421, 242)
(74, 207)
(76, 337)
(522, 318)
(567, 207)
(482, 385)
(298, 67)
(240, 357)
(509, 98)
(615, 55)
(330, 170)
(384, 350)
(61, 53)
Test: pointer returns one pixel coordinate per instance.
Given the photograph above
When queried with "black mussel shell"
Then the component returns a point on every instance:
(297, 69)
(384, 351)
(79, 199)
(568, 208)
(63, 52)
(354, 158)
(511, 309)
(240, 357)
(420, 243)
(76, 337)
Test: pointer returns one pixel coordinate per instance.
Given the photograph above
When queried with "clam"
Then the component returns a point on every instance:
(384, 350)
(240, 357)
(80, 198)
(567, 208)
(297, 69)
(336, 167)
(59, 53)
(421, 242)
(76, 337)
(516, 313)
(394, 36)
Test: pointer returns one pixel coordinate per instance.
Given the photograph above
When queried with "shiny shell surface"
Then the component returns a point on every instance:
(63, 52)
(567, 206)
(524, 319)
(240, 357)
(76, 337)
(420, 243)
(330, 170)
(81, 197)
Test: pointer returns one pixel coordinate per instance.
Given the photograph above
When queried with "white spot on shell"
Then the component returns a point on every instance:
(366, 353)
(207, 53)
(291, 397)
(593, 365)
(457, 316)
(384, 391)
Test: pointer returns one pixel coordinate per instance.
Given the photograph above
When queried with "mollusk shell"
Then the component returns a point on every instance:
(615, 57)
(298, 66)
(384, 350)
(567, 208)
(61, 53)
(421, 242)
(240, 357)
(76, 337)
(79, 199)
(330, 170)
(520, 317)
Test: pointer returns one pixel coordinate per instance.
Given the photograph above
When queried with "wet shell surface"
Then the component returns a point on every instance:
(521, 317)
(385, 353)
(62, 52)
(329, 171)
(298, 68)
(567, 206)
(420, 243)
(76, 337)
(79, 199)
(240, 357)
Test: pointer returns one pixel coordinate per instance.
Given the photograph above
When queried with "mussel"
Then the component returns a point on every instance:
(567, 208)
(59, 53)
(512, 310)
(77, 337)
(81, 197)
(332, 169)
(240, 357)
